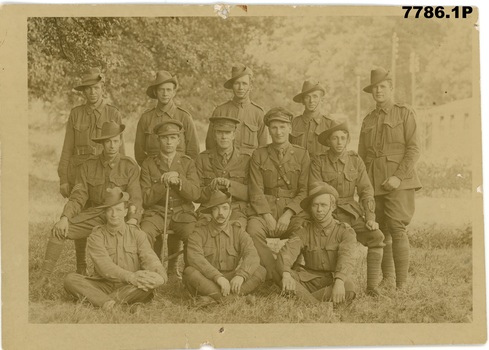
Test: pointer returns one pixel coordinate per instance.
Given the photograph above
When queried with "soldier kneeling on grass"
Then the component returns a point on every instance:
(223, 262)
(127, 269)
(327, 246)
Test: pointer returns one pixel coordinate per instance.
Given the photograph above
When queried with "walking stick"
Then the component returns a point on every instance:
(165, 235)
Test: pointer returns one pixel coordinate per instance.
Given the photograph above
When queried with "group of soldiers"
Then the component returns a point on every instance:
(305, 186)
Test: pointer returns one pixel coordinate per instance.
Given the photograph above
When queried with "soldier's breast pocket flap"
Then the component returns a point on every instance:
(296, 138)
(250, 134)
(120, 181)
(394, 131)
(329, 176)
(351, 175)
(95, 181)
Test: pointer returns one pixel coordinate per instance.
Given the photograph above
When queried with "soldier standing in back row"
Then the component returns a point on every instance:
(251, 132)
(225, 168)
(307, 127)
(344, 170)
(85, 123)
(388, 145)
(164, 89)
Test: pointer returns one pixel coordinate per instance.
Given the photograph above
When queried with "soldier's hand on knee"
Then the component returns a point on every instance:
(214, 185)
(372, 225)
(271, 222)
(288, 282)
(60, 229)
(225, 286)
(283, 223)
(223, 182)
(338, 293)
(64, 189)
(236, 283)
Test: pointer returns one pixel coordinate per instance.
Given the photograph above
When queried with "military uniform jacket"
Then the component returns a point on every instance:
(116, 256)
(278, 185)
(180, 200)
(345, 173)
(389, 146)
(84, 123)
(306, 129)
(213, 250)
(209, 166)
(95, 176)
(329, 249)
(147, 144)
(250, 133)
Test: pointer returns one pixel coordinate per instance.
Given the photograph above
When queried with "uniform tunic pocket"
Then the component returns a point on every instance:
(250, 135)
(96, 188)
(82, 134)
(297, 138)
(394, 131)
(368, 135)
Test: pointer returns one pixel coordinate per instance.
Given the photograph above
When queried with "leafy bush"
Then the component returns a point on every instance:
(444, 176)
(436, 236)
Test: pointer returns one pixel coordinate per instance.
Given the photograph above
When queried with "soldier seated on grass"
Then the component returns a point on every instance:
(214, 253)
(127, 269)
(327, 246)
(346, 172)
(82, 213)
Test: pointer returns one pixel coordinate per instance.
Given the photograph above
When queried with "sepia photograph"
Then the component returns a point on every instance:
(254, 166)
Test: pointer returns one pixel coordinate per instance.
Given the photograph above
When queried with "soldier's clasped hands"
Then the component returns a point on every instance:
(171, 178)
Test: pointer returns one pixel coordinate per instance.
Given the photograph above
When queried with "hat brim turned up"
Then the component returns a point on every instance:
(106, 137)
(298, 98)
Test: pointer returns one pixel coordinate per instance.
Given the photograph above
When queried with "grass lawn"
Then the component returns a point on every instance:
(439, 286)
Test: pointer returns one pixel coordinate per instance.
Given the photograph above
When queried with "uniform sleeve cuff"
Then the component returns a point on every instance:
(369, 216)
(340, 275)
(399, 175)
(294, 207)
(216, 277)
(243, 274)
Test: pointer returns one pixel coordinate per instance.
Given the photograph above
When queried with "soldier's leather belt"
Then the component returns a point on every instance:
(278, 192)
(173, 203)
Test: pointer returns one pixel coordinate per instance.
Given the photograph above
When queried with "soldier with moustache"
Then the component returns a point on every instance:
(225, 168)
(223, 262)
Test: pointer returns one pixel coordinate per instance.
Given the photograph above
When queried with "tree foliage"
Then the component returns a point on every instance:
(283, 51)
